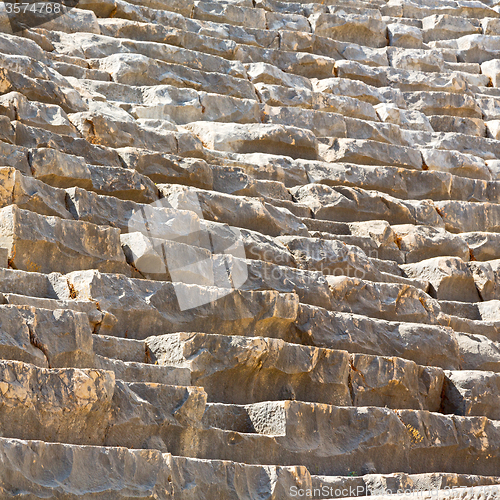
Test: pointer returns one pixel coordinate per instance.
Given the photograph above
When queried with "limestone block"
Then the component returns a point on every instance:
(320, 123)
(401, 35)
(74, 21)
(64, 336)
(348, 204)
(364, 29)
(214, 310)
(69, 405)
(416, 60)
(483, 246)
(473, 393)
(448, 27)
(424, 242)
(358, 333)
(49, 116)
(238, 211)
(371, 153)
(492, 69)
(145, 413)
(395, 383)
(44, 244)
(486, 277)
(272, 139)
(31, 194)
(15, 343)
(387, 301)
(458, 124)
(246, 370)
(450, 278)
(455, 163)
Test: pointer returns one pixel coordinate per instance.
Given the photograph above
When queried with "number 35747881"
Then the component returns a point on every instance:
(35, 8)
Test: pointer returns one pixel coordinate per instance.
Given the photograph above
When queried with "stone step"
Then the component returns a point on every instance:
(243, 370)
(61, 170)
(55, 338)
(459, 124)
(469, 392)
(406, 80)
(16, 106)
(406, 183)
(45, 244)
(238, 211)
(130, 371)
(426, 441)
(118, 66)
(77, 292)
(172, 307)
(149, 32)
(389, 301)
(148, 473)
(267, 138)
(167, 102)
(421, 10)
(42, 90)
(95, 47)
(225, 39)
(118, 314)
(132, 362)
(357, 333)
(278, 433)
(367, 152)
(352, 204)
(117, 408)
(482, 147)
(277, 95)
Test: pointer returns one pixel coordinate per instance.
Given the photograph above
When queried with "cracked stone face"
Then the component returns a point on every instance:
(249, 249)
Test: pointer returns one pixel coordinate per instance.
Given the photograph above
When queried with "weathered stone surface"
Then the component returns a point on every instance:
(144, 414)
(486, 278)
(63, 336)
(456, 163)
(395, 383)
(238, 211)
(371, 153)
(130, 299)
(460, 124)
(363, 29)
(382, 300)
(401, 35)
(425, 485)
(15, 340)
(440, 440)
(49, 116)
(353, 204)
(424, 242)
(68, 405)
(267, 369)
(31, 194)
(446, 27)
(357, 333)
(39, 243)
(322, 243)
(272, 139)
(124, 473)
(450, 278)
(471, 393)
(482, 245)
(61, 170)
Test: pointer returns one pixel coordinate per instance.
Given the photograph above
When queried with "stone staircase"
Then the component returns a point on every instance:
(250, 250)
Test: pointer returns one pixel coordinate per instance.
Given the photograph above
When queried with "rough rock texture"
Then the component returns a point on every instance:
(250, 249)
